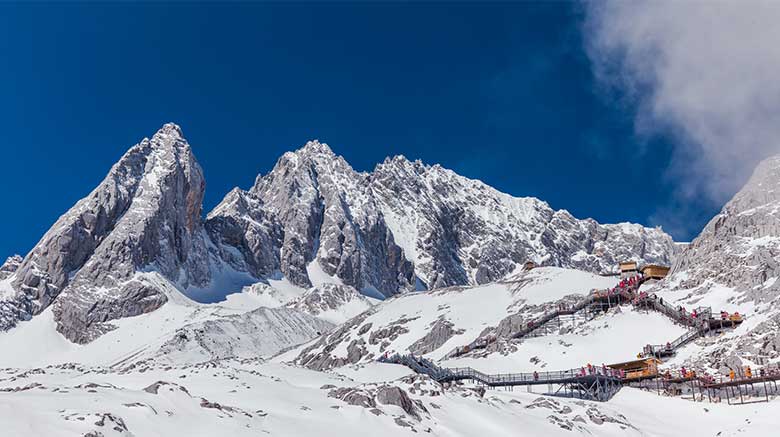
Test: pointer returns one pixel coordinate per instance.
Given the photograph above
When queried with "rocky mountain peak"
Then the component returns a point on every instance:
(315, 147)
(748, 228)
(400, 164)
(144, 217)
(169, 131)
(436, 227)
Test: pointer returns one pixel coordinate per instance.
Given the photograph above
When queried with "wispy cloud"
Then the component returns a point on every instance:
(706, 72)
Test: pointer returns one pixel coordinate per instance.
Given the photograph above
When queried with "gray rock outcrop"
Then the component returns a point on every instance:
(144, 216)
(312, 207)
(331, 298)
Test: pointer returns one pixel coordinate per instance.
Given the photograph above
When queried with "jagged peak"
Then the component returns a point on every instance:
(169, 136)
(401, 161)
(315, 147)
(170, 129)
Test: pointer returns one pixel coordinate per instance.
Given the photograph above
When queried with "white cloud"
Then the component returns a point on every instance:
(708, 72)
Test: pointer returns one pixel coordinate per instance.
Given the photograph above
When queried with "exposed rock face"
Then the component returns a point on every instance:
(145, 215)
(407, 225)
(10, 266)
(460, 231)
(241, 222)
(441, 331)
(259, 333)
(318, 355)
(371, 396)
(740, 249)
(740, 246)
(312, 207)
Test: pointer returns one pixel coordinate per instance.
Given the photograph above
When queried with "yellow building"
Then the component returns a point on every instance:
(638, 369)
(654, 271)
(628, 269)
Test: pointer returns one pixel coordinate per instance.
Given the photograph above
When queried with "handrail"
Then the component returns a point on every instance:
(439, 374)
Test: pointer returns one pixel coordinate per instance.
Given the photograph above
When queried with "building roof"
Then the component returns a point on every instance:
(654, 266)
(635, 364)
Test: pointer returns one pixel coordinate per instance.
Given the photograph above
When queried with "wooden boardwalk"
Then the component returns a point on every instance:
(602, 383)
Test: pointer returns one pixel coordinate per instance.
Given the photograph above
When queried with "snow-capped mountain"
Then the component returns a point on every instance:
(145, 215)
(734, 264)
(459, 231)
(312, 211)
(407, 226)
(312, 220)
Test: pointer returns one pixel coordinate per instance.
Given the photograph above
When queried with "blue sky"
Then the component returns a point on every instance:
(504, 93)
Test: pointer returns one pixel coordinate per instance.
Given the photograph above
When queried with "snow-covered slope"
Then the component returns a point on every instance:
(259, 333)
(434, 323)
(120, 384)
(164, 373)
(332, 302)
(246, 398)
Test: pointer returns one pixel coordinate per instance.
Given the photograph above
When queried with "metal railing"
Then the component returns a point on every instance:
(439, 374)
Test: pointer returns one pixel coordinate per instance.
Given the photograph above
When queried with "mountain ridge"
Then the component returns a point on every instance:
(405, 226)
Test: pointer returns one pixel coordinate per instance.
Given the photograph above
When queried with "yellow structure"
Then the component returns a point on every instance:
(654, 271)
(638, 369)
(628, 269)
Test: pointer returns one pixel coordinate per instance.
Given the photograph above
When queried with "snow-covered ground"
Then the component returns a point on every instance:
(120, 384)
(614, 337)
(249, 398)
(402, 323)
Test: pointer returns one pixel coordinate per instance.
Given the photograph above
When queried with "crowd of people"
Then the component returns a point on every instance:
(601, 371)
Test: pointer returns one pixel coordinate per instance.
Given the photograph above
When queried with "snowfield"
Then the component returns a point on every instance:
(207, 369)
(401, 323)
(249, 398)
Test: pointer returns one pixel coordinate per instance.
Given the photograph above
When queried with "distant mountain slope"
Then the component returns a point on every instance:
(734, 265)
